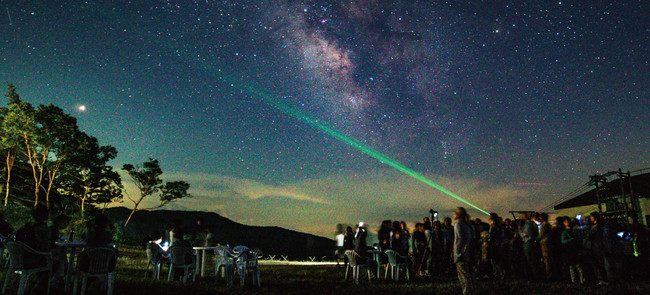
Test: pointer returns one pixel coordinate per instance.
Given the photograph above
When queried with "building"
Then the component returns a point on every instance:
(625, 196)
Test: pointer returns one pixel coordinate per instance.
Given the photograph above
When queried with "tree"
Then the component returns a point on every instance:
(87, 176)
(58, 138)
(18, 131)
(148, 181)
(47, 142)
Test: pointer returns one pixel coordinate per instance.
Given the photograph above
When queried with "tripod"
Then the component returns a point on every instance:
(434, 215)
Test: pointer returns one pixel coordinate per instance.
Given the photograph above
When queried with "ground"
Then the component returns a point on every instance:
(277, 279)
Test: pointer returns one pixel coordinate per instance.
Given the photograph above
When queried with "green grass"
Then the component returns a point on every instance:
(328, 280)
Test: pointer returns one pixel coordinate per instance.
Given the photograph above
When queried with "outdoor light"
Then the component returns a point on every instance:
(434, 213)
(165, 246)
(620, 234)
(579, 218)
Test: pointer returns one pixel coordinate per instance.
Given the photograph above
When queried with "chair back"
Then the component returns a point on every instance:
(223, 254)
(178, 255)
(101, 260)
(252, 260)
(240, 249)
(249, 258)
(392, 256)
(352, 257)
(16, 252)
(153, 254)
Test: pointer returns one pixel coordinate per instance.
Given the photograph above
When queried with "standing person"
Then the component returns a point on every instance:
(406, 234)
(348, 240)
(340, 238)
(613, 251)
(427, 261)
(509, 234)
(419, 247)
(546, 244)
(529, 233)
(383, 234)
(495, 246)
(572, 249)
(447, 244)
(177, 226)
(483, 262)
(398, 242)
(207, 238)
(339, 253)
(595, 236)
(436, 248)
(463, 235)
(360, 245)
(556, 238)
(198, 236)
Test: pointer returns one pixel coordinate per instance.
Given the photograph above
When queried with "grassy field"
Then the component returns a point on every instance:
(278, 279)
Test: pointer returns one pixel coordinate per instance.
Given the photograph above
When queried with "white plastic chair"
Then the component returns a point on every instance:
(395, 261)
(155, 259)
(17, 251)
(225, 259)
(240, 249)
(356, 267)
(10, 237)
(248, 261)
(178, 257)
(101, 263)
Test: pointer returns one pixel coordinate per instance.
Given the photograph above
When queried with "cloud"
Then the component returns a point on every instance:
(317, 205)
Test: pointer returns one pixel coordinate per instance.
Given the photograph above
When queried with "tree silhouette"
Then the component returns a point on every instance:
(148, 181)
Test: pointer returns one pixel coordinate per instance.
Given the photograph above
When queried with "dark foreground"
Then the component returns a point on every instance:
(329, 280)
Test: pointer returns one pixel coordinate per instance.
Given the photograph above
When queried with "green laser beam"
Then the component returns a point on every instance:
(351, 142)
(268, 99)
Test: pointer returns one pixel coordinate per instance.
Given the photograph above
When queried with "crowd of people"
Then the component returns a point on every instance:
(529, 247)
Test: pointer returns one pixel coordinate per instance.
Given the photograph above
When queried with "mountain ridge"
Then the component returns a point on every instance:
(272, 240)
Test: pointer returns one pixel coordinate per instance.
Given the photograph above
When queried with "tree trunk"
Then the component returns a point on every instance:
(83, 201)
(51, 174)
(130, 215)
(31, 157)
(7, 189)
(11, 158)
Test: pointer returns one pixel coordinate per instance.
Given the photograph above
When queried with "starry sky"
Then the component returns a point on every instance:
(509, 104)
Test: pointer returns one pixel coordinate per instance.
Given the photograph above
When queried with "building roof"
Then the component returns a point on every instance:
(640, 186)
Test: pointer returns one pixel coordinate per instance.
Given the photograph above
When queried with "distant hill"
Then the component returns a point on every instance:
(271, 240)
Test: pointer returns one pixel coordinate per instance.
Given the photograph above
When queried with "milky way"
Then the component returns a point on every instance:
(490, 98)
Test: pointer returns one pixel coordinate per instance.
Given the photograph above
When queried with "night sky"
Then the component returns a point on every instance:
(510, 105)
